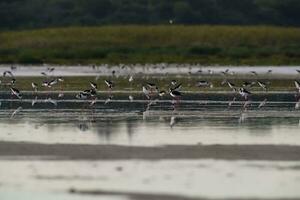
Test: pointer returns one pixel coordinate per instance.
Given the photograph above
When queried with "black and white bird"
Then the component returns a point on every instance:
(16, 92)
(177, 87)
(162, 93)
(175, 94)
(173, 82)
(244, 93)
(82, 95)
(8, 73)
(93, 85)
(109, 84)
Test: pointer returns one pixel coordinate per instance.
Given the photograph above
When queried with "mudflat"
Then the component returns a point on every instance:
(116, 152)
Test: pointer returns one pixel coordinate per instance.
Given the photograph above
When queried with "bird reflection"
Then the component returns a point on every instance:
(172, 121)
(83, 126)
(16, 112)
(242, 118)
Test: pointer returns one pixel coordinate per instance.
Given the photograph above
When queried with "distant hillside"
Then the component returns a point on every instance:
(26, 14)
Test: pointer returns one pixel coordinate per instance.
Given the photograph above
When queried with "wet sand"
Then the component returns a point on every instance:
(115, 152)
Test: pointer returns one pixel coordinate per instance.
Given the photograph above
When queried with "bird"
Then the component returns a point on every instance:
(262, 85)
(231, 85)
(177, 87)
(254, 73)
(93, 85)
(297, 85)
(130, 97)
(52, 82)
(16, 92)
(109, 84)
(176, 95)
(130, 79)
(5, 73)
(244, 93)
(60, 95)
(44, 73)
(50, 69)
(34, 86)
(162, 93)
(146, 92)
(173, 82)
(203, 84)
(82, 95)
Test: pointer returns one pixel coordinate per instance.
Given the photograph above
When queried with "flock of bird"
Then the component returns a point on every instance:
(150, 90)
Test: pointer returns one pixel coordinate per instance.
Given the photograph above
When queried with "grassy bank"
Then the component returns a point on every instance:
(153, 44)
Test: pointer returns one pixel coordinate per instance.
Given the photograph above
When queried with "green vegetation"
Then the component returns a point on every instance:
(28, 14)
(253, 45)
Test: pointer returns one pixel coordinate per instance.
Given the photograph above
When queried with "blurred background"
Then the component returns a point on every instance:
(92, 32)
(28, 14)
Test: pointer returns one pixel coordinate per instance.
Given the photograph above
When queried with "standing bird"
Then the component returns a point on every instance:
(176, 95)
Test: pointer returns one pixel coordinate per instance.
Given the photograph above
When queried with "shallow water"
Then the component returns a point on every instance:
(204, 119)
(195, 120)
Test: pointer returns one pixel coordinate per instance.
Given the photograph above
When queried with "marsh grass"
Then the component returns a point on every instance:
(253, 45)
